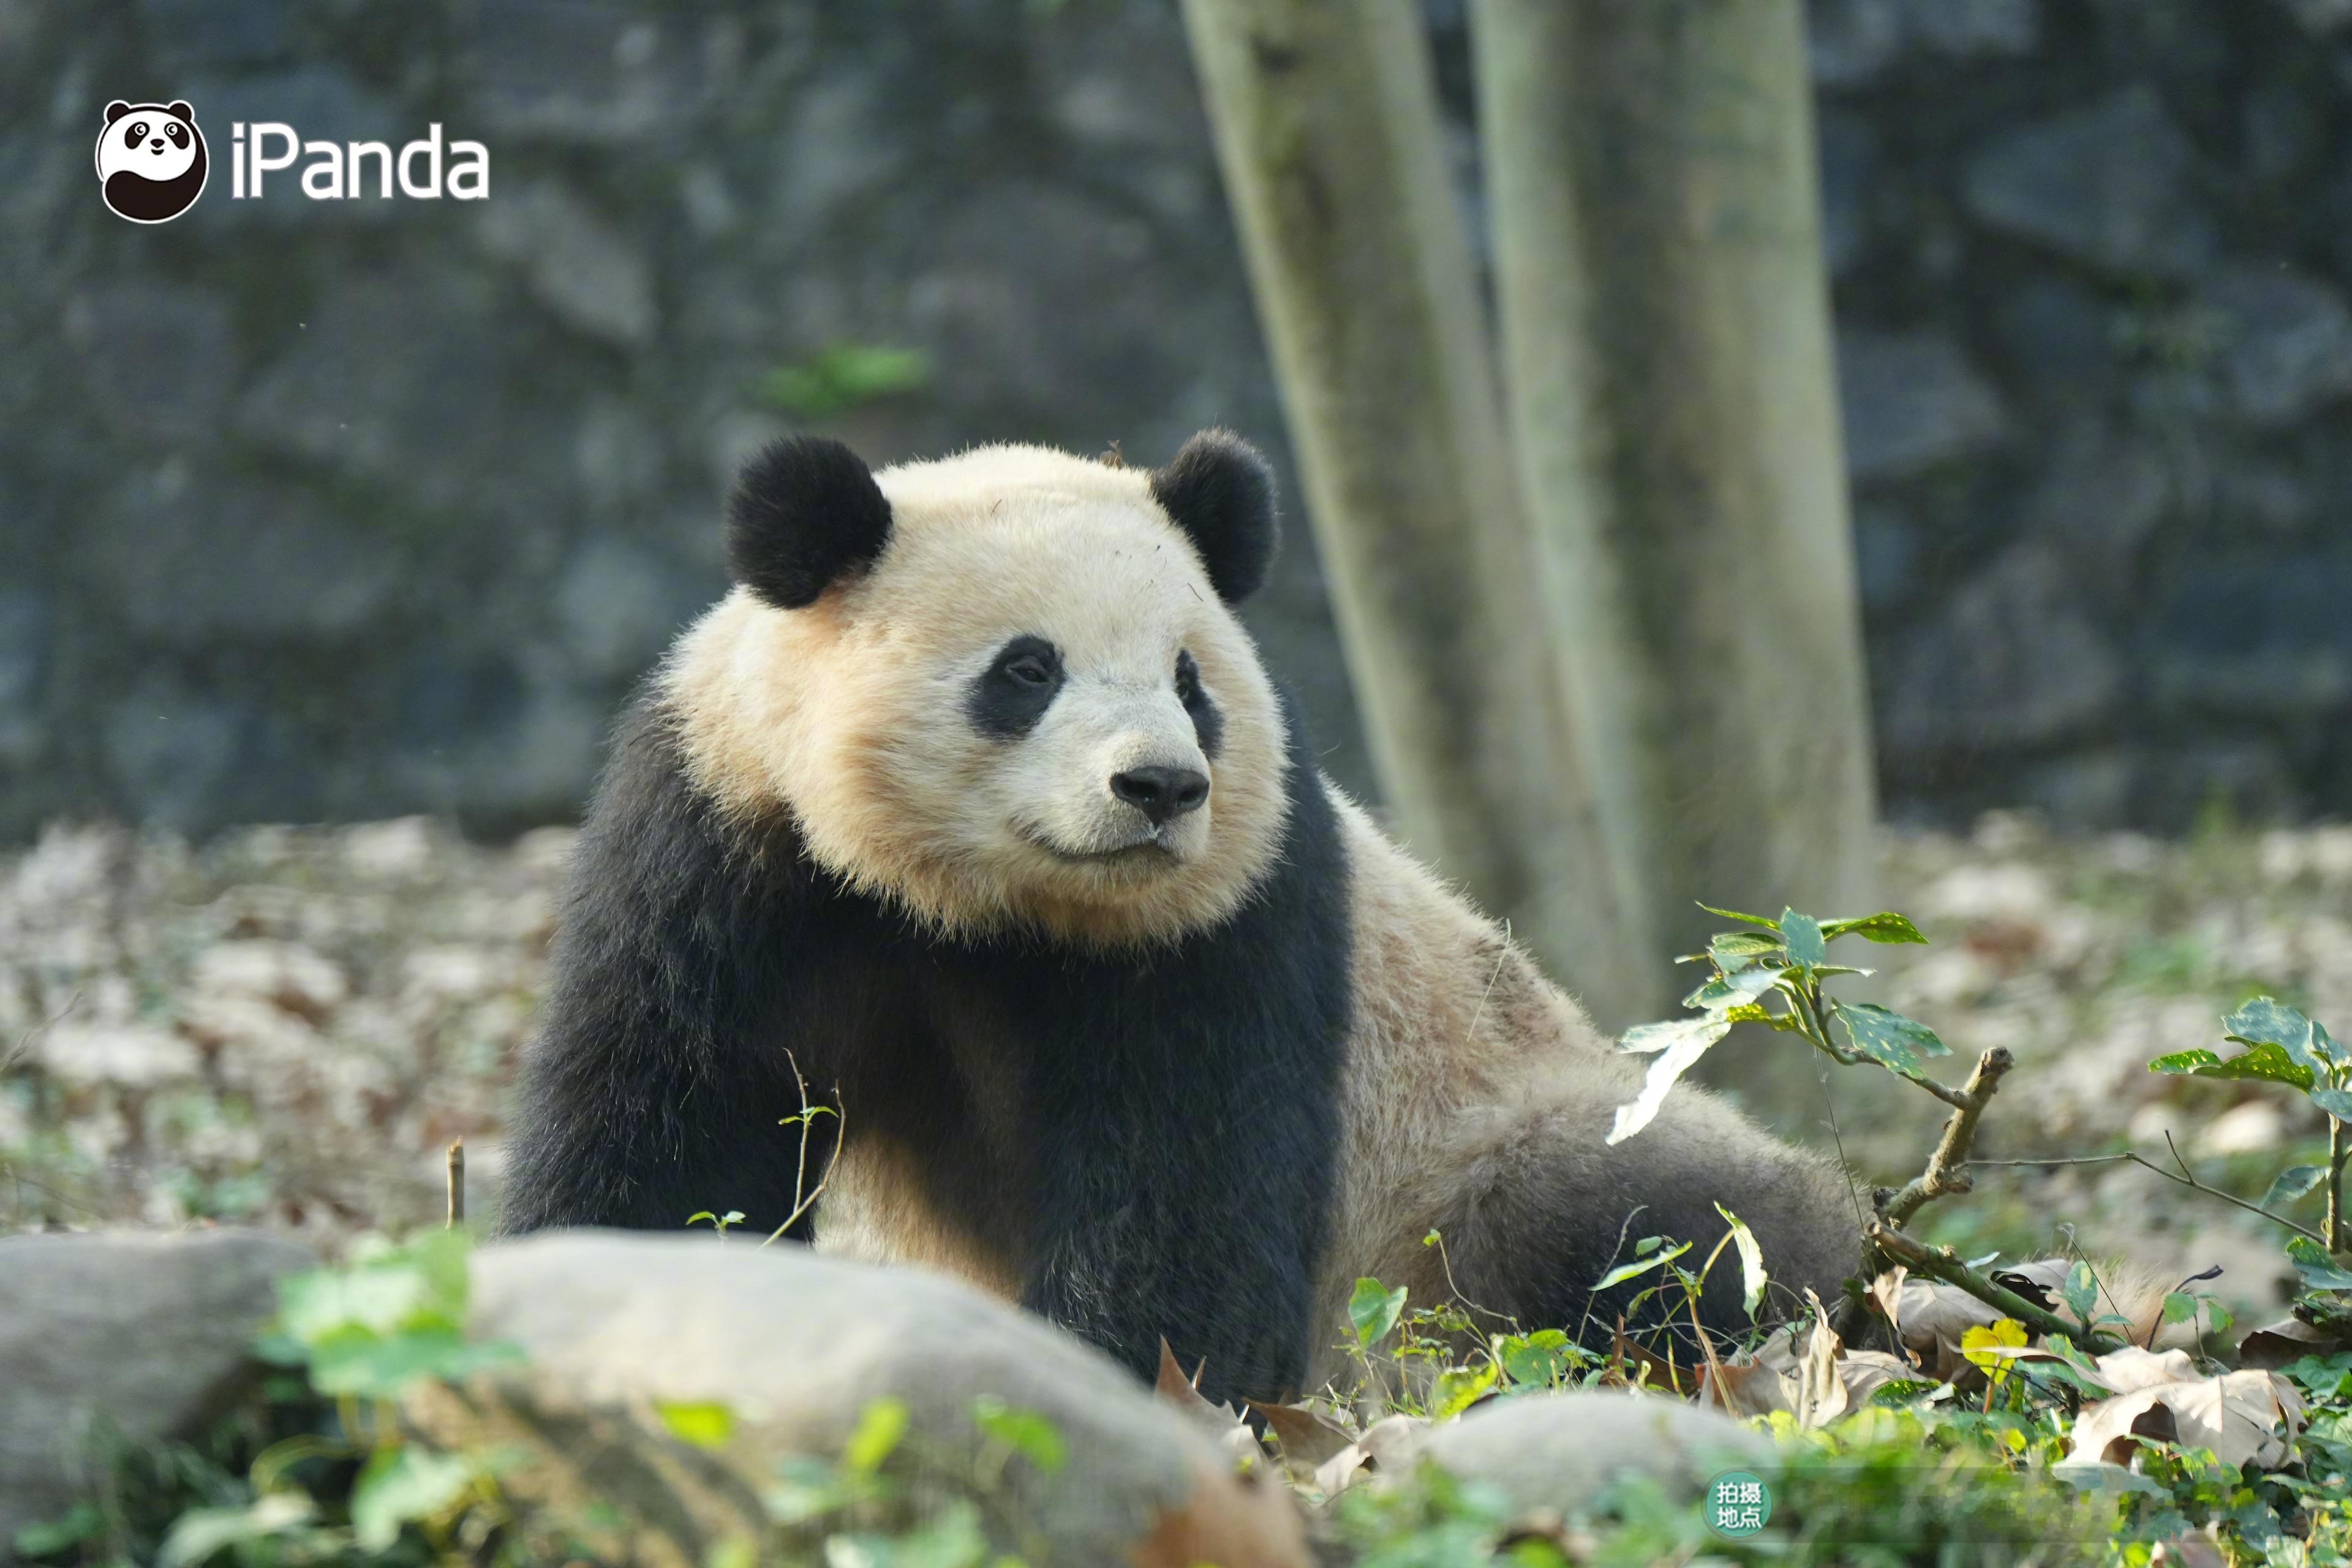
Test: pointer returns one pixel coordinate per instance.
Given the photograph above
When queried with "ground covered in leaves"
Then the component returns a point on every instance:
(286, 1026)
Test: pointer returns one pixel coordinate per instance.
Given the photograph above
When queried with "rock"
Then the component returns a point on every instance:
(398, 376)
(1849, 157)
(2285, 342)
(24, 661)
(620, 604)
(585, 71)
(1851, 42)
(2238, 639)
(1559, 1452)
(1911, 401)
(215, 32)
(2108, 184)
(186, 550)
(579, 265)
(2320, 18)
(1885, 555)
(797, 1347)
(158, 359)
(2102, 494)
(151, 1332)
(2014, 661)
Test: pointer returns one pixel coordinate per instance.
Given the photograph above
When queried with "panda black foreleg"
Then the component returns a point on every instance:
(654, 1087)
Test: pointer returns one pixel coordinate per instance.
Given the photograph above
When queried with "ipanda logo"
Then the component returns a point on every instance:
(152, 163)
(151, 160)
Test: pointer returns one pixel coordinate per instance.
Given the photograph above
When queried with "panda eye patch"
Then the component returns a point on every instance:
(137, 133)
(1010, 696)
(179, 137)
(1188, 678)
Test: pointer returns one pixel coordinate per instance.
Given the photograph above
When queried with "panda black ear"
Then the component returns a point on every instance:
(116, 110)
(805, 513)
(181, 109)
(1220, 491)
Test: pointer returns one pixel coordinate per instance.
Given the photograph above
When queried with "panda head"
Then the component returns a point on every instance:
(155, 142)
(1007, 690)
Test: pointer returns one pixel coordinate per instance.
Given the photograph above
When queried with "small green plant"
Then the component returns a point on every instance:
(2283, 1046)
(1787, 959)
(840, 377)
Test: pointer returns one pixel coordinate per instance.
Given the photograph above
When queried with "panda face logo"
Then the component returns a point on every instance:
(151, 160)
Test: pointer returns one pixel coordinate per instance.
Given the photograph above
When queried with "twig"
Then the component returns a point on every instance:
(2336, 1153)
(1943, 1263)
(1946, 1170)
(2184, 1180)
(805, 1201)
(24, 1041)
(457, 1182)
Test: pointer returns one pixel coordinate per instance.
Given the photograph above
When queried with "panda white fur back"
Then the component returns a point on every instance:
(974, 798)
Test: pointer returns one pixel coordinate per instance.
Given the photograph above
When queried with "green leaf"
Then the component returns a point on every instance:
(2293, 1183)
(2319, 1271)
(1807, 948)
(2179, 1307)
(2264, 1063)
(75, 1525)
(1647, 1245)
(1733, 990)
(1536, 1359)
(1751, 1261)
(1676, 1054)
(2081, 1292)
(2336, 1103)
(1888, 1038)
(1029, 1433)
(1733, 948)
(2267, 1021)
(1624, 1272)
(880, 1426)
(2218, 1319)
(705, 1422)
(841, 377)
(401, 1485)
(1886, 926)
(375, 1368)
(1736, 915)
(199, 1533)
(1374, 1311)
(1458, 1388)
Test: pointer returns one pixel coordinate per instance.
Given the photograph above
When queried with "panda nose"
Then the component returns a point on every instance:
(1161, 794)
(154, 143)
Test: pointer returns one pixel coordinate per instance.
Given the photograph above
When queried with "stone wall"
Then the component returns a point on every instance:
(320, 510)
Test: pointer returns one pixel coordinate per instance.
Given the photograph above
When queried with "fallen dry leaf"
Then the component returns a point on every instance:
(1774, 1378)
(1309, 1436)
(2246, 1416)
(2290, 1339)
(1387, 1445)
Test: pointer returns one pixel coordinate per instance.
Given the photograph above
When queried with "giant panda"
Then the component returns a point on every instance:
(972, 804)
